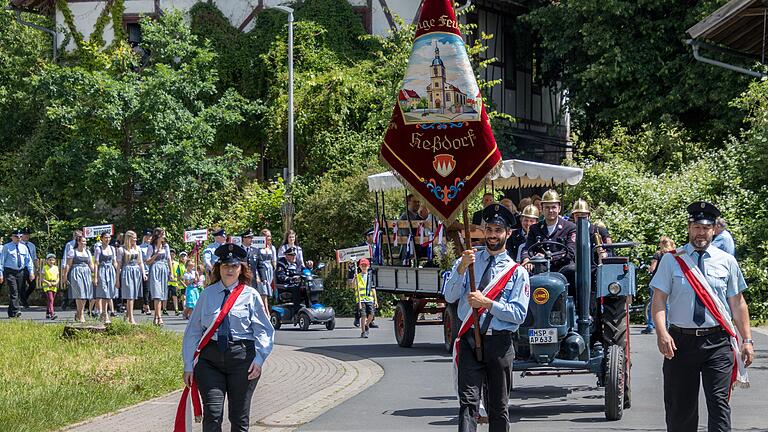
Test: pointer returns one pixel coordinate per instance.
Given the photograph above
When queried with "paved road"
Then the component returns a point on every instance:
(416, 393)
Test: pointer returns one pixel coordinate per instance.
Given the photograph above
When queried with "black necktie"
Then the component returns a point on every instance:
(484, 281)
(222, 333)
(486, 278)
(18, 256)
(698, 309)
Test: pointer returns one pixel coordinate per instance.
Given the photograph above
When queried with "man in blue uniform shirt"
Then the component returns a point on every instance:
(209, 256)
(696, 348)
(506, 312)
(28, 287)
(723, 239)
(14, 262)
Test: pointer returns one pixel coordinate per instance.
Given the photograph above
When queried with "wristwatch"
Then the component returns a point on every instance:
(748, 341)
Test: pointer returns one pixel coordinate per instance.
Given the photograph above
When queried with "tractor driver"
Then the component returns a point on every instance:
(554, 229)
(288, 274)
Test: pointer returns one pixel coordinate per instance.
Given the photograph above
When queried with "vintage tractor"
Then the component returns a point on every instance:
(586, 333)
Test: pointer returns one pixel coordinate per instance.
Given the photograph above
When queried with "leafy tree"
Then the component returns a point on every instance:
(627, 61)
(134, 144)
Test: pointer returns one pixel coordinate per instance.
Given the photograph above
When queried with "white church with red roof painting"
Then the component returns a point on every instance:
(437, 87)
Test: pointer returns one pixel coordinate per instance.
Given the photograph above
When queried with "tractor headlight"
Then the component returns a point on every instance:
(614, 288)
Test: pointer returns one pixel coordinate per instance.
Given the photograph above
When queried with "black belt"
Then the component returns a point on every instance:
(243, 342)
(10, 270)
(696, 331)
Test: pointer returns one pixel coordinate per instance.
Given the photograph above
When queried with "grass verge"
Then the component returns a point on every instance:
(48, 382)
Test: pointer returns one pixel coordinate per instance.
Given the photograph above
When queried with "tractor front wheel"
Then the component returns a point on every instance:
(614, 383)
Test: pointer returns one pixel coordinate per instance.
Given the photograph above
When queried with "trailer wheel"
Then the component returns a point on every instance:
(304, 321)
(405, 323)
(274, 318)
(451, 325)
(614, 383)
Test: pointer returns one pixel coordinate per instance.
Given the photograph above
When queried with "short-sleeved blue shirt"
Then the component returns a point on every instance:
(722, 272)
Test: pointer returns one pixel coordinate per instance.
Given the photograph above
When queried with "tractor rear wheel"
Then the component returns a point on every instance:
(615, 320)
(451, 325)
(405, 323)
(614, 382)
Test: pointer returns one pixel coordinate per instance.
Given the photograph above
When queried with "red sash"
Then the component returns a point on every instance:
(708, 301)
(182, 422)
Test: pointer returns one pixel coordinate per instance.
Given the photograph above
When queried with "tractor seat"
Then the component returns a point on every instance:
(615, 260)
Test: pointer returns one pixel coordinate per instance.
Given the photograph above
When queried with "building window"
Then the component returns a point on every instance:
(133, 30)
(448, 97)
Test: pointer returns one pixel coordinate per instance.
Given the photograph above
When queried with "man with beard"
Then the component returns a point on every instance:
(703, 287)
(503, 312)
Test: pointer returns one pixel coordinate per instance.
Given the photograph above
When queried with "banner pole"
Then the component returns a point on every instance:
(471, 270)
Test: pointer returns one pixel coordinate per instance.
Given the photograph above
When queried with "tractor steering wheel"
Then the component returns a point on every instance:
(542, 247)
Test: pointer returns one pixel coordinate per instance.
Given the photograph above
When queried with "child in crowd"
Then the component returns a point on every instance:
(50, 284)
(666, 244)
(191, 293)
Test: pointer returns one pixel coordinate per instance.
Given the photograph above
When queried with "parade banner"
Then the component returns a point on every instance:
(97, 230)
(353, 254)
(439, 140)
(260, 242)
(195, 235)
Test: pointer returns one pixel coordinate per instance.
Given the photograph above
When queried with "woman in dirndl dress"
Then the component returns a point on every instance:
(268, 256)
(80, 275)
(159, 256)
(106, 276)
(132, 274)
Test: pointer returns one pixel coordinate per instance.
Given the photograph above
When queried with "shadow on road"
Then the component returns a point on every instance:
(373, 351)
(519, 413)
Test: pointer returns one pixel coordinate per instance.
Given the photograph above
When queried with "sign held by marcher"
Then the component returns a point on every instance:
(260, 242)
(97, 230)
(195, 235)
(353, 254)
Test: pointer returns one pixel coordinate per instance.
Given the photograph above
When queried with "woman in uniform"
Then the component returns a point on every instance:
(268, 256)
(230, 364)
(80, 275)
(132, 274)
(159, 255)
(106, 276)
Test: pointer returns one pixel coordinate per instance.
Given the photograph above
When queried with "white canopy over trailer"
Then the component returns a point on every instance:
(512, 174)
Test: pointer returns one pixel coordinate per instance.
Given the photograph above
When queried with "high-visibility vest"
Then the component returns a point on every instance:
(364, 288)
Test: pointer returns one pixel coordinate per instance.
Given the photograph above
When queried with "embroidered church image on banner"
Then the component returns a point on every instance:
(439, 140)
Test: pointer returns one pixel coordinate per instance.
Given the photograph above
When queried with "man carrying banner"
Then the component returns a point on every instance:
(709, 338)
(503, 304)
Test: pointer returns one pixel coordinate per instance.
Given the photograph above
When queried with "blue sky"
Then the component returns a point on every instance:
(454, 56)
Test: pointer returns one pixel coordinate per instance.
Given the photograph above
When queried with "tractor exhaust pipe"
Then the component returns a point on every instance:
(583, 282)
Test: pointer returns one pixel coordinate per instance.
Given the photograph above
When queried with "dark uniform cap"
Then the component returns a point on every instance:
(220, 232)
(230, 253)
(247, 233)
(26, 230)
(17, 232)
(499, 215)
(148, 231)
(290, 251)
(702, 212)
